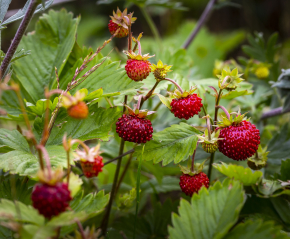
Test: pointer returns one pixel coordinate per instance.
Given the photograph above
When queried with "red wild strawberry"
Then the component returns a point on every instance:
(50, 200)
(185, 105)
(192, 184)
(240, 138)
(134, 127)
(137, 70)
(137, 66)
(91, 161)
(120, 20)
(78, 111)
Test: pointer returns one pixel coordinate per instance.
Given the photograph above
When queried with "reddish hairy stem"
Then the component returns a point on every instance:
(225, 110)
(175, 83)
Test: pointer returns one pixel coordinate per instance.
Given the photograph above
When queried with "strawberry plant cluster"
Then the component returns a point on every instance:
(144, 148)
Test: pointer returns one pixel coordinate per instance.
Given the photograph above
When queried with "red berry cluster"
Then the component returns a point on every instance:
(134, 129)
(137, 70)
(240, 141)
(186, 107)
(192, 184)
(92, 169)
(113, 27)
(50, 200)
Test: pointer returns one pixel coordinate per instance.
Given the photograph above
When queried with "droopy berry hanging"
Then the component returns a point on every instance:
(185, 105)
(240, 138)
(50, 197)
(75, 106)
(137, 66)
(122, 21)
(192, 180)
(134, 127)
(91, 161)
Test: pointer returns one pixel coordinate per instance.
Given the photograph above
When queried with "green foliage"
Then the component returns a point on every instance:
(175, 143)
(245, 175)
(12, 140)
(96, 126)
(256, 230)
(210, 214)
(125, 201)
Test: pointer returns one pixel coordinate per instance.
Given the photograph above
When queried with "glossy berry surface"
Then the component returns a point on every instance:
(134, 129)
(50, 200)
(186, 107)
(239, 142)
(137, 70)
(92, 169)
(210, 147)
(192, 184)
(113, 28)
(78, 111)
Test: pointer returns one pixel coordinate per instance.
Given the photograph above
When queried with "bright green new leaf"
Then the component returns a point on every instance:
(210, 214)
(20, 212)
(245, 175)
(29, 231)
(175, 143)
(67, 218)
(256, 230)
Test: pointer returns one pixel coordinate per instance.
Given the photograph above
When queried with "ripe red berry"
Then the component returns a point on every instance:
(137, 70)
(240, 141)
(192, 184)
(134, 129)
(50, 200)
(186, 107)
(123, 32)
(92, 169)
(78, 111)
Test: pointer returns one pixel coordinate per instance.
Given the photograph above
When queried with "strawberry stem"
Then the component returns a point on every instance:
(192, 158)
(208, 128)
(139, 48)
(175, 83)
(225, 110)
(139, 102)
(46, 157)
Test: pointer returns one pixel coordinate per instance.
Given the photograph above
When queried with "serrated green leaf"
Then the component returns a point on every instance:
(285, 170)
(164, 100)
(175, 143)
(12, 140)
(256, 230)
(210, 214)
(245, 175)
(30, 231)
(4, 5)
(40, 106)
(50, 47)
(96, 126)
(19, 212)
(26, 163)
(67, 218)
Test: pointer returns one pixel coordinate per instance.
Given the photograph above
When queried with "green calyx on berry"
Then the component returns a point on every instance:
(139, 113)
(197, 169)
(258, 160)
(160, 70)
(69, 101)
(50, 178)
(122, 18)
(87, 154)
(178, 94)
(135, 56)
(229, 80)
(233, 121)
(209, 142)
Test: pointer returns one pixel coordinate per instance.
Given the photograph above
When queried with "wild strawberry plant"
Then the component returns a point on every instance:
(183, 138)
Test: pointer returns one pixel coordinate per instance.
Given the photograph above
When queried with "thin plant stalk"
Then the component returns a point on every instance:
(206, 13)
(18, 36)
(152, 26)
(175, 83)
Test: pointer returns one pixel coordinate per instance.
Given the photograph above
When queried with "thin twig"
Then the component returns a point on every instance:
(18, 36)
(274, 112)
(81, 228)
(207, 11)
(175, 83)
(122, 155)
